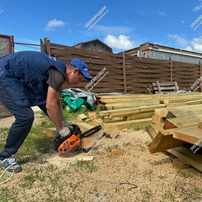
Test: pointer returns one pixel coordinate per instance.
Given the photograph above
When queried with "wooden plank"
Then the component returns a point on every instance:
(182, 100)
(162, 142)
(159, 114)
(185, 155)
(191, 110)
(131, 104)
(134, 116)
(181, 117)
(169, 96)
(136, 124)
(190, 135)
(130, 111)
(151, 131)
(184, 121)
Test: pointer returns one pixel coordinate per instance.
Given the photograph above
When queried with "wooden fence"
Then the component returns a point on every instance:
(6, 45)
(127, 74)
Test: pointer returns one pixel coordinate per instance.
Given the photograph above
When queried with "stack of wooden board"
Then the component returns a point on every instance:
(176, 130)
(136, 110)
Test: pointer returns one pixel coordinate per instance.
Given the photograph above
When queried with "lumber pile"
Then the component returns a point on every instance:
(136, 110)
(172, 126)
(175, 130)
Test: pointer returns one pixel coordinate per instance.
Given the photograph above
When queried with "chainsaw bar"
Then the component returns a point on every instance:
(91, 131)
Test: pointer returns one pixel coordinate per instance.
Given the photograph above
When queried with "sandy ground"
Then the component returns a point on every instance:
(119, 169)
(6, 122)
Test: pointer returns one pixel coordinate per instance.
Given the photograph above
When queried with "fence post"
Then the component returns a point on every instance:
(47, 46)
(171, 69)
(200, 73)
(124, 73)
(12, 48)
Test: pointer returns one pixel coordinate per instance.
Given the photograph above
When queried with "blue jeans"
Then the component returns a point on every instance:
(24, 116)
(13, 95)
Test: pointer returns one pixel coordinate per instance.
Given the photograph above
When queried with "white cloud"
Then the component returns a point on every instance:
(113, 29)
(191, 45)
(54, 23)
(121, 42)
(27, 47)
(178, 39)
(195, 45)
(27, 40)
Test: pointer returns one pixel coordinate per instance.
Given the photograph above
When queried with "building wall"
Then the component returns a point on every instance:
(166, 56)
(96, 47)
(6, 45)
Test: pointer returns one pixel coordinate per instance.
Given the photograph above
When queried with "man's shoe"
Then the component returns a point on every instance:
(11, 165)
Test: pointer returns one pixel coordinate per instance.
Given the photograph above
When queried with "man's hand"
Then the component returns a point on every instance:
(64, 132)
(54, 108)
(60, 136)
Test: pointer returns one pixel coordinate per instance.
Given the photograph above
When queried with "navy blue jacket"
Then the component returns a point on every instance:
(27, 74)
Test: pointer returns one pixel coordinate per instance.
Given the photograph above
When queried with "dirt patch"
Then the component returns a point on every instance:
(39, 117)
(6, 122)
(122, 170)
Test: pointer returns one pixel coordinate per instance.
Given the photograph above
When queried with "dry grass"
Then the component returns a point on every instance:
(123, 170)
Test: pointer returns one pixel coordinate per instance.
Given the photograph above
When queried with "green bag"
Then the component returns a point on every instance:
(75, 98)
(69, 100)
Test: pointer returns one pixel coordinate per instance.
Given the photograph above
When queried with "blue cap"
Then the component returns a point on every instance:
(82, 67)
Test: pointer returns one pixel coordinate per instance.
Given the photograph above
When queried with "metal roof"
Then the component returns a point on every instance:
(165, 49)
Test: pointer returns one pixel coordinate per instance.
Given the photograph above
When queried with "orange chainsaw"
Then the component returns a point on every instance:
(73, 142)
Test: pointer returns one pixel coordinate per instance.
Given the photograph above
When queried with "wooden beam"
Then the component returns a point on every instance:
(192, 135)
(131, 104)
(185, 155)
(136, 124)
(163, 141)
(133, 110)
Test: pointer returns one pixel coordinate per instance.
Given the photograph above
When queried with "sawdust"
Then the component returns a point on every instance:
(64, 162)
(120, 168)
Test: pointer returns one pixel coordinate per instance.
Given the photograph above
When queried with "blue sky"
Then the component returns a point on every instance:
(126, 23)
